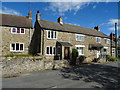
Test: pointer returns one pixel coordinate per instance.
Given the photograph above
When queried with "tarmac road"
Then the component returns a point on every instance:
(86, 76)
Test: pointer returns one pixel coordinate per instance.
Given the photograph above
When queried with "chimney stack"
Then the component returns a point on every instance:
(60, 20)
(38, 16)
(97, 28)
(29, 15)
(112, 36)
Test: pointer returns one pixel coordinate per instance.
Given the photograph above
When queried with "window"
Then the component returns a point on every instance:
(17, 30)
(98, 39)
(51, 34)
(113, 50)
(50, 50)
(80, 49)
(13, 30)
(79, 37)
(107, 41)
(17, 47)
(22, 30)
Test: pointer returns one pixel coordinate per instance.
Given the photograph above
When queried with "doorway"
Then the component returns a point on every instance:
(66, 52)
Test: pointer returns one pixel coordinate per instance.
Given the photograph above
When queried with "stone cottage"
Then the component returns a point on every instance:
(55, 40)
(16, 33)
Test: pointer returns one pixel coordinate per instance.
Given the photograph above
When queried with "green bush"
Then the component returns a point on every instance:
(74, 56)
(111, 58)
(82, 58)
(17, 55)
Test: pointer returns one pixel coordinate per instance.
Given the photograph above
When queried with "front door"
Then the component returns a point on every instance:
(66, 52)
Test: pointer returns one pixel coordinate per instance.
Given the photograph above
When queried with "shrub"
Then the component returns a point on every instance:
(82, 58)
(74, 56)
(111, 58)
(17, 55)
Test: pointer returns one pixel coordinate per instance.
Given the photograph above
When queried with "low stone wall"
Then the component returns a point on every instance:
(14, 66)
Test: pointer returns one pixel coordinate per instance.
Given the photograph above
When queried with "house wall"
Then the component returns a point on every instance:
(8, 37)
(35, 44)
(71, 38)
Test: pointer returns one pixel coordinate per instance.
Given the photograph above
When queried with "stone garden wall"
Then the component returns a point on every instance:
(12, 67)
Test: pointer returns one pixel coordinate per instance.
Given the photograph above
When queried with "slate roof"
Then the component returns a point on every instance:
(70, 28)
(15, 21)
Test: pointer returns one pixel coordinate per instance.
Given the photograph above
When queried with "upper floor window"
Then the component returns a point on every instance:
(98, 39)
(80, 37)
(107, 41)
(17, 47)
(51, 34)
(18, 30)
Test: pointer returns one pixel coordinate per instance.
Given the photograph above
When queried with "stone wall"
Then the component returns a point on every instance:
(16, 66)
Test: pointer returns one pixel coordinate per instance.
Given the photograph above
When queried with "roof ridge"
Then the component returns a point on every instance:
(69, 24)
(13, 15)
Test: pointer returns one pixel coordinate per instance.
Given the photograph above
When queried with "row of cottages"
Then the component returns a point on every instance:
(16, 33)
(55, 40)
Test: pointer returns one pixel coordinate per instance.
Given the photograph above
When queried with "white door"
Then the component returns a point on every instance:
(98, 53)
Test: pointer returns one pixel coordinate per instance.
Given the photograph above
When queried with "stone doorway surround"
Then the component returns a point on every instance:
(63, 48)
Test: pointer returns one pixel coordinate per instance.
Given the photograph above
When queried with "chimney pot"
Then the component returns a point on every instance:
(97, 28)
(60, 20)
(38, 15)
(29, 15)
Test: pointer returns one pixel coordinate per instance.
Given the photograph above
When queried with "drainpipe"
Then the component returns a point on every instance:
(111, 38)
(43, 43)
(116, 41)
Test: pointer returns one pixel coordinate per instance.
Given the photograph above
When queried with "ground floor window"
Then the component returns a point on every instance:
(50, 50)
(80, 49)
(17, 47)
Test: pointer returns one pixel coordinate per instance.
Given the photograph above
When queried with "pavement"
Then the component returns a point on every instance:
(104, 75)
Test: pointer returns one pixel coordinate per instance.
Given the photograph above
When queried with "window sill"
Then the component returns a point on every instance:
(50, 55)
(17, 33)
(79, 41)
(52, 38)
(16, 51)
(98, 42)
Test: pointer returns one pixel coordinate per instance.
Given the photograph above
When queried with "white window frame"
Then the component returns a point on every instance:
(107, 41)
(16, 31)
(15, 47)
(83, 46)
(80, 35)
(113, 51)
(52, 51)
(106, 49)
(53, 34)
(99, 41)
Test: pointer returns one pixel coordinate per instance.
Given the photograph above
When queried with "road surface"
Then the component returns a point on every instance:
(87, 76)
